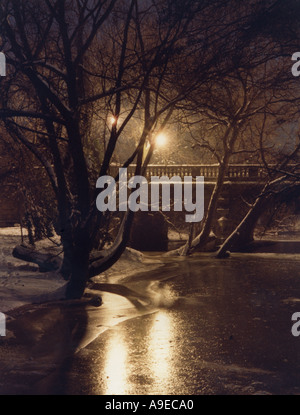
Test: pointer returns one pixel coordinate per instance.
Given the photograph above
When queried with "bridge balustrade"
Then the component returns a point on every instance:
(236, 172)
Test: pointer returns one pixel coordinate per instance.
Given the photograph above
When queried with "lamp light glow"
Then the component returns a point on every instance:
(161, 140)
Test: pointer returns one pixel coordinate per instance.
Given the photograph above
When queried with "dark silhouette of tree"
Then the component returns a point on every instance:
(83, 75)
(77, 67)
(231, 117)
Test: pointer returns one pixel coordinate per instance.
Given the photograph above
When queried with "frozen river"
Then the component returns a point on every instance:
(217, 327)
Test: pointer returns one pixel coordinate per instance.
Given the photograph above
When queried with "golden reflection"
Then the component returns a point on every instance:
(154, 357)
(160, 346)
(115, 366)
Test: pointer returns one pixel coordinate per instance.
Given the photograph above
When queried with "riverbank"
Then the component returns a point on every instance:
(22, 284)
(41, 330)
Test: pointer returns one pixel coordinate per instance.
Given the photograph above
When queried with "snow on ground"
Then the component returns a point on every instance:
(177, 236)
(21, 283)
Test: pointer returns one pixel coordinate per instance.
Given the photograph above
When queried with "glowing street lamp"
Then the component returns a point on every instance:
(113, 121)
(161, 140)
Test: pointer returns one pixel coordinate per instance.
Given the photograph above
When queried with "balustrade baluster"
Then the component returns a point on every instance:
(253, 172)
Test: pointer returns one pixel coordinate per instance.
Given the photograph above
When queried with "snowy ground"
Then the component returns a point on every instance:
(21, 283)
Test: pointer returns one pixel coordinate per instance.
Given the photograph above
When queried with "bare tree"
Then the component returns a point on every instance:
(228, 117)
(73, 63)
(83, 75)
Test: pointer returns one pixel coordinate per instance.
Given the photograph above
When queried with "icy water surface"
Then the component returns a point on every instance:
(213, 327)
(219, 327)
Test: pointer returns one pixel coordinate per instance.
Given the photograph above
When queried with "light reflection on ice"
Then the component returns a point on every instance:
(157, 358)
(160, 350)
(115, 369)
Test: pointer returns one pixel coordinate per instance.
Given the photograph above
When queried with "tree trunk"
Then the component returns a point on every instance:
(200, 241)
(46, 262)
(76, 262)
(79, 267)
(243, 234)
(109, 257)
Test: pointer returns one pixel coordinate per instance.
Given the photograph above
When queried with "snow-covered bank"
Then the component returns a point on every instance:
(21, 283)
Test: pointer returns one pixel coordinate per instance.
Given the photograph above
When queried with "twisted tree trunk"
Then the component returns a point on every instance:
(243, 234)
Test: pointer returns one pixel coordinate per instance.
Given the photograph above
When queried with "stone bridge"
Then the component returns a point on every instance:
(150, 232)
(242, 184)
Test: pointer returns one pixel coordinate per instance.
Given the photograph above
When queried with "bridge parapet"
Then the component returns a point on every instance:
(236, 172)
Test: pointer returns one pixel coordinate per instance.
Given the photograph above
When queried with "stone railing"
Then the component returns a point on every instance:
(236, 172)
